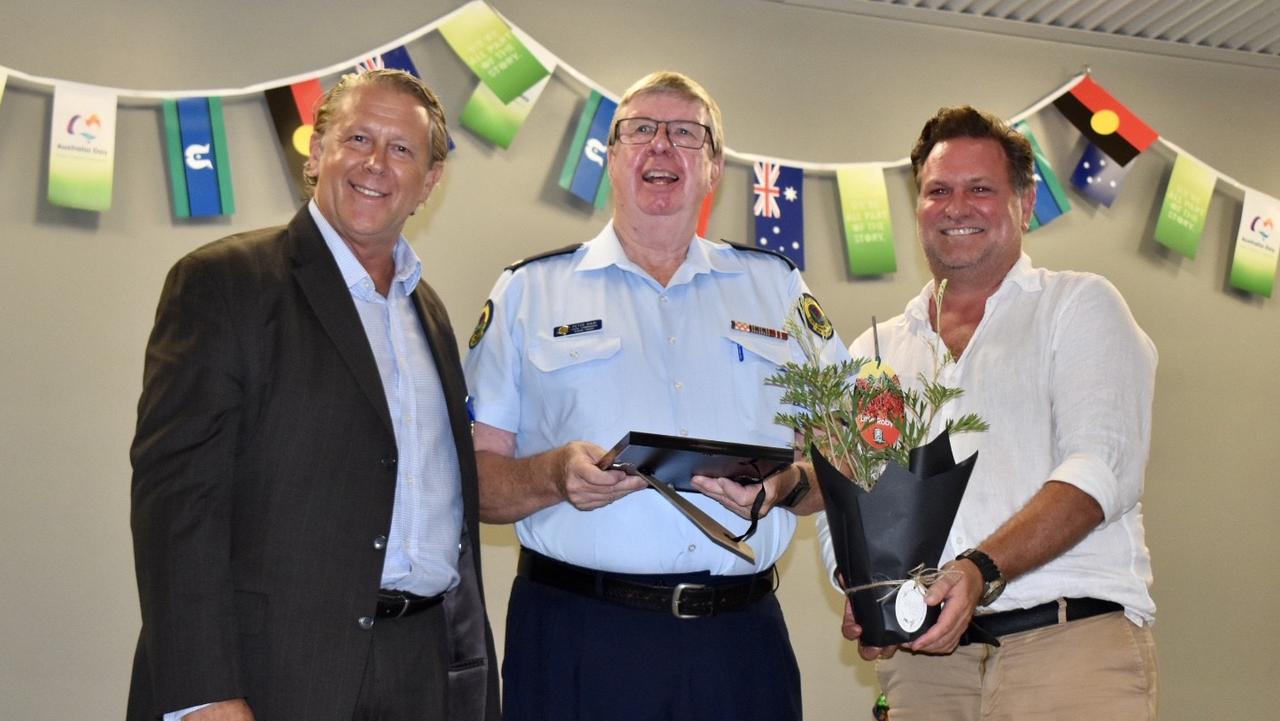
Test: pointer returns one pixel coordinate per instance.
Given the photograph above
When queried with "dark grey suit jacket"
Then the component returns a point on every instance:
(264, 467)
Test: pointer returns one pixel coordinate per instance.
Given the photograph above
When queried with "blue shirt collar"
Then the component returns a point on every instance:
(407, 264)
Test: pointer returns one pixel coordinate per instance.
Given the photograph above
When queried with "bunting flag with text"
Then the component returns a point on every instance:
(1253, 265)
(486, 44)
(1098, 177)
(1186, 205)
(1105, 121)
(82, 147)
(394, 59)
(584, 166)
(868, 228)
(704, 212)
(293, 111)
(1051, 199)
(199, 172)
(487, 116)
(778, 192)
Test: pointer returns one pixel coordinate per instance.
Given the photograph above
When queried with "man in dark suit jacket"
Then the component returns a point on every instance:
(303, 442)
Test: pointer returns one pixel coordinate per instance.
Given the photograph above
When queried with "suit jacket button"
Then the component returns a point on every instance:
(380, 543)
(365, 622)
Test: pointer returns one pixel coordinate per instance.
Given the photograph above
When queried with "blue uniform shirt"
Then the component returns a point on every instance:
(587, 346)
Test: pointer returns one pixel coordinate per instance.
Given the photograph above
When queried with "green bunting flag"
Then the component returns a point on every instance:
(487, 45)
(1186, 205)
(868, 228)
(487, 116)
(1253, 266)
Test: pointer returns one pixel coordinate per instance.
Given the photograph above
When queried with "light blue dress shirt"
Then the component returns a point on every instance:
(426, 521)
(588, 346)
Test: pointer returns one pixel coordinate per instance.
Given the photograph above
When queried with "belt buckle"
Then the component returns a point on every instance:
(676, 593)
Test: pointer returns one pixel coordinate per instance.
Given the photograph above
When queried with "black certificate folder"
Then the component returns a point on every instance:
(675, 459)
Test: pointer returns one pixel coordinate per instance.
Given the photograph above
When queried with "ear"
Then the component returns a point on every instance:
(1027, 202)
(715, 171)
(429, 182)
(313, 160)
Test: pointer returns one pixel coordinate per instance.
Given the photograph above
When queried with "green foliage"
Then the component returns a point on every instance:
(827, 398)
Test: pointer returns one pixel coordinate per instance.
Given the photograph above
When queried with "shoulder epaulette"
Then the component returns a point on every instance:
(766, 251)
(540, 256)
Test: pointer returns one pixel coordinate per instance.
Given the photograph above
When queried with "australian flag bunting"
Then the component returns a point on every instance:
(393, 59)
(779, 209)
(1098, 176)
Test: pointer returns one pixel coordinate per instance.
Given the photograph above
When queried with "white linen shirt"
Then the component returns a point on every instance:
(1064, 376)
(662, 360)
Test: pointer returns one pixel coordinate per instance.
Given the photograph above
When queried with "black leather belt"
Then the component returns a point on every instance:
(398, 604)
(1046, 614)
(691, 595)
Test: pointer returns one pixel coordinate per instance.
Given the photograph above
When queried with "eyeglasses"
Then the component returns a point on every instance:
(681, 133)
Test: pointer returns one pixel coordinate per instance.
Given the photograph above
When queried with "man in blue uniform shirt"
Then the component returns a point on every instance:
(622, 609)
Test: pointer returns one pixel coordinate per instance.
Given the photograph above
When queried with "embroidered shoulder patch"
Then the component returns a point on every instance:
(482, 325)
(814, 317)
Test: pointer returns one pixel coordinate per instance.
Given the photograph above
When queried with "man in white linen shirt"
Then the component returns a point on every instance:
(1056, 364)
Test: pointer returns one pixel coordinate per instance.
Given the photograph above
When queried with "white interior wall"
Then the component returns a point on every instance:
(78, 289)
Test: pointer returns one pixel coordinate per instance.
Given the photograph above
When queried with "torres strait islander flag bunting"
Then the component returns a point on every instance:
(199, 172)
(584, 167)
(1105, 121)
(779, 209)
(293, 110)
(1051, 199)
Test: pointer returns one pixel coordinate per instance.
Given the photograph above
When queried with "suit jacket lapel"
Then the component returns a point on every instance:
(317, 274)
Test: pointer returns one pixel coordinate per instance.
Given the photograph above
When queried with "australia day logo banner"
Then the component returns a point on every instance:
(82, 145)
(1253, 266)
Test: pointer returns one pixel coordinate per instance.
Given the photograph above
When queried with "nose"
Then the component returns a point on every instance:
(957, 206)
(374, 161)
(661, 138)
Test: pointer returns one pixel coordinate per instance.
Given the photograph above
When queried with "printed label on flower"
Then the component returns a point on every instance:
(909, 606)
(879, 417)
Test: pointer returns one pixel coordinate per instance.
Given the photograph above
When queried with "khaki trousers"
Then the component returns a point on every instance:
(1096, 668)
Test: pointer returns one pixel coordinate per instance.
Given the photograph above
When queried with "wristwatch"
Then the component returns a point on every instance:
(797, 493)
(992, 580)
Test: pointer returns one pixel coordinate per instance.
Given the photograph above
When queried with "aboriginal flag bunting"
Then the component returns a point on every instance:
(1105, 121)
(293, 110)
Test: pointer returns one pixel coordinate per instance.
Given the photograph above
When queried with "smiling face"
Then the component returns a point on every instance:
(659, 179)
(372, 165)
(969, 218)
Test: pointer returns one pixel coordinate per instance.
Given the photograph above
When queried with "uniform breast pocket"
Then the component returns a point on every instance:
(753, 360)
(576, 381)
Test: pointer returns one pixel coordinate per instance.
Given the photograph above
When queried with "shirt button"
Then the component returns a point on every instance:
(365, 622)
(662, 299)
(574, 354)
(671, 340)
(679, 385)
(692, 547)
(380, 543)
(684, 431)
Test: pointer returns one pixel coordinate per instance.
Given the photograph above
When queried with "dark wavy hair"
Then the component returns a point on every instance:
(968, 122)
